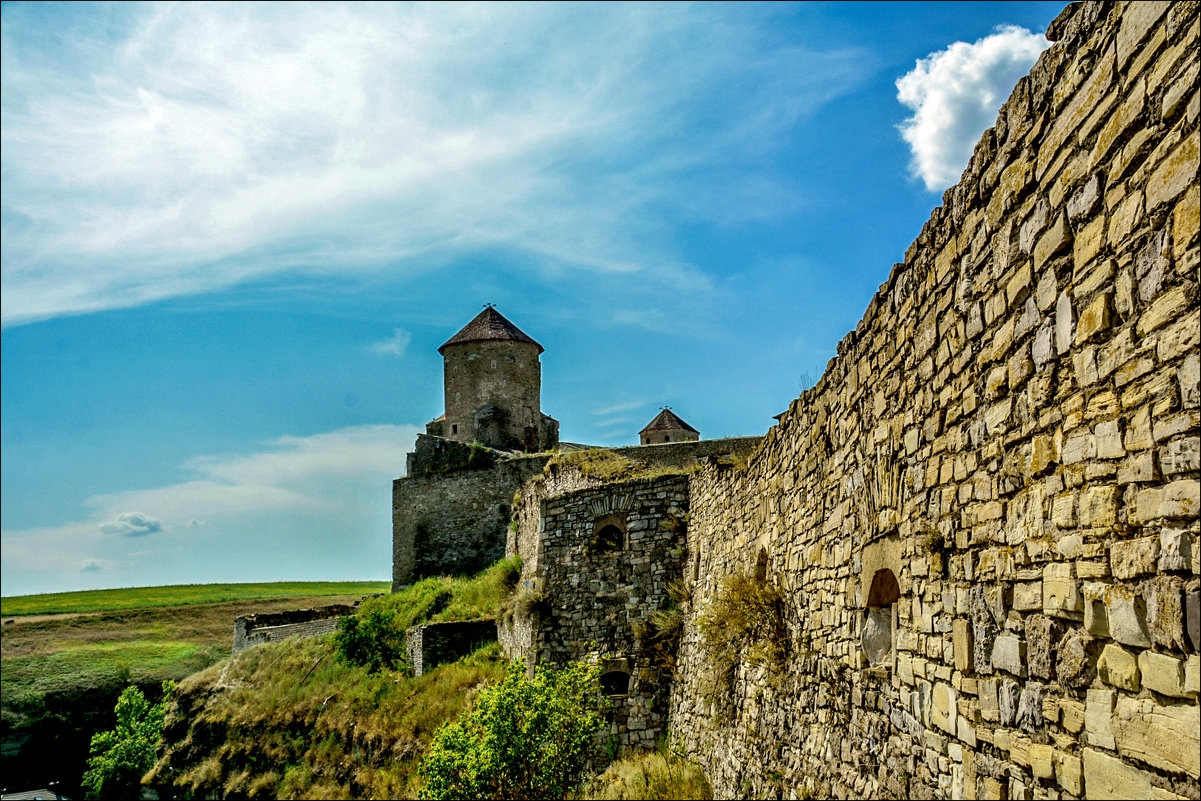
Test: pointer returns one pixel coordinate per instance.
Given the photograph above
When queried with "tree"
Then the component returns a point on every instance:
(374, 641)
(119, 758)
(523, 738)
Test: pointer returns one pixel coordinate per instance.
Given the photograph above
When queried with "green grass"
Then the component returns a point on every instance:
(177, 595)
(657, 774)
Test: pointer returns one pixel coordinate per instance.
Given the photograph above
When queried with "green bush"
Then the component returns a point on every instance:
(744, 623)
(119, 758)
(374, 641)
(523, 738)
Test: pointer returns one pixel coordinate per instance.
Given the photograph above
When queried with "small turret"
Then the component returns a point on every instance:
(492, 378)
(668, 427)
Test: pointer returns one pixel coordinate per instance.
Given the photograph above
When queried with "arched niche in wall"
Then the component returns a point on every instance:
(879, 593)
(609, 533)
(879, 620)
(615, 683)
(762, 565)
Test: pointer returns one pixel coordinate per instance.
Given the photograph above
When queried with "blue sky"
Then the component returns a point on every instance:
(235, 235)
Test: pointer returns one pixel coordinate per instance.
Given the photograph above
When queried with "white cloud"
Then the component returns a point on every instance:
(396, 345)
(212, 144)
(955, 95)
(131, 524)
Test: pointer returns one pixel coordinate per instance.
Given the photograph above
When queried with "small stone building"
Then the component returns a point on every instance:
(493, 384)
(667, 427)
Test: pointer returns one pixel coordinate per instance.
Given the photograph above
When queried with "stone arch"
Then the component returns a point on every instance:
(762, 565)
(615, 683)
(609, 533)
(879, 618)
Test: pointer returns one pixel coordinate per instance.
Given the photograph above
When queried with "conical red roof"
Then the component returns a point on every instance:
(667, 420)
(489, 325)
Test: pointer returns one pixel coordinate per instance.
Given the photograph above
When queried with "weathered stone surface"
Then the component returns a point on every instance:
(1162, 673)
(1127, 615)
(1164, 736)
(1030, 707)
(1119, 668)
(1166, 613)
(1134, 558)
(1098, 718)
(1008, 694)
(1009, 654)
(1110, 778)
(1077, 659)
(1175, 549)
(1061, 595)
(943, 708)
(1042, 635)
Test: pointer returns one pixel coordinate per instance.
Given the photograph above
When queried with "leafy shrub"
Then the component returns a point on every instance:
(120, 757)
(523, 738)
(374, 641)
(744, 623)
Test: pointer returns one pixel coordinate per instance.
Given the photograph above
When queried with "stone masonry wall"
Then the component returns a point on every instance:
(596, 599)
(456, 522)
(275, 626)
(1013, 431)
(435, 643)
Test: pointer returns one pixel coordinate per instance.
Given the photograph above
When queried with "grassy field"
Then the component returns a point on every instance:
(178, 595)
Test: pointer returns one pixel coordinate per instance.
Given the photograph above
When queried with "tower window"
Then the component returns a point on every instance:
(454, 428)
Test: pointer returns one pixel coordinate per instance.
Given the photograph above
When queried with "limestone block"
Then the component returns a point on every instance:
(1061, 596)
(1076, 659)
(1181, 455)
(1119, 668)
(1189, 376)
(1181, 498)
(1162, 673)
(1165, 608)
(1109, 440)
(1095, 319)
(1192, 676)
(1030, 707)
(988, 700)
(1009, 654)
(1063, 323)
(1069, 773)
(944, 709)
(1055, 240)
(984, 629)
(1127, 615)
(1163, 310)
(1008, 693)
(1098, 718)
(1175, 548)
(1174, 173)
(1138, 468)
(997, 416)
(1111, 779)
(1134, 557)
(1027, 595)
(961, 637)
(1063, 511)
(1192, 617)
(1095, 621)
(1071, 713)
(1079, 448)
(1042, 634)
(1099, 506)
(1164, 736)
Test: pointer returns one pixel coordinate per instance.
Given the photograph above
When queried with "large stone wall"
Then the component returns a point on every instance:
(277, 626)
(455, 522)
(1012, 430)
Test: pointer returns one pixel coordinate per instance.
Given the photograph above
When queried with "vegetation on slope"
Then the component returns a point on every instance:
(61, 675)
(607, 466)
(86, 601)
(652, 775)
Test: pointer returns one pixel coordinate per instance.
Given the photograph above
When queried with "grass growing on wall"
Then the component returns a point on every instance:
(744, 623)
(86, 601)
(654, 775)
(608, 466)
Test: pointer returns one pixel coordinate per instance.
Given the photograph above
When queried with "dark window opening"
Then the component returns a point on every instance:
(610, 538)
(761, 565)
(615, 683)
(454, 429)
(666, 438)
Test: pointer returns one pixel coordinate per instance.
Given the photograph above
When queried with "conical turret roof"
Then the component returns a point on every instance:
(667, 420)
(489, 325)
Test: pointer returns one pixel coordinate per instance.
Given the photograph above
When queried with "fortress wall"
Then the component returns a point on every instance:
(596, 601)
(1013, 430)
(276, 626)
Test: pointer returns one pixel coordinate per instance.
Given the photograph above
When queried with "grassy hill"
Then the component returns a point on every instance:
(65, 657)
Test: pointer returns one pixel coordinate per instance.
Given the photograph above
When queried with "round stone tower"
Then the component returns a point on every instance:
(493, 385)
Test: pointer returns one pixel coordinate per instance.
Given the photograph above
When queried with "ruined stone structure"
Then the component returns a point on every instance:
(278, 626)
(983, 520)
(432, 644)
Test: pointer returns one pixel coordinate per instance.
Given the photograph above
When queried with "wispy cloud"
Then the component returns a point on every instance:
(396, 345)
(131, 524)
(955, 95)
(324, 476)
(205, 145)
